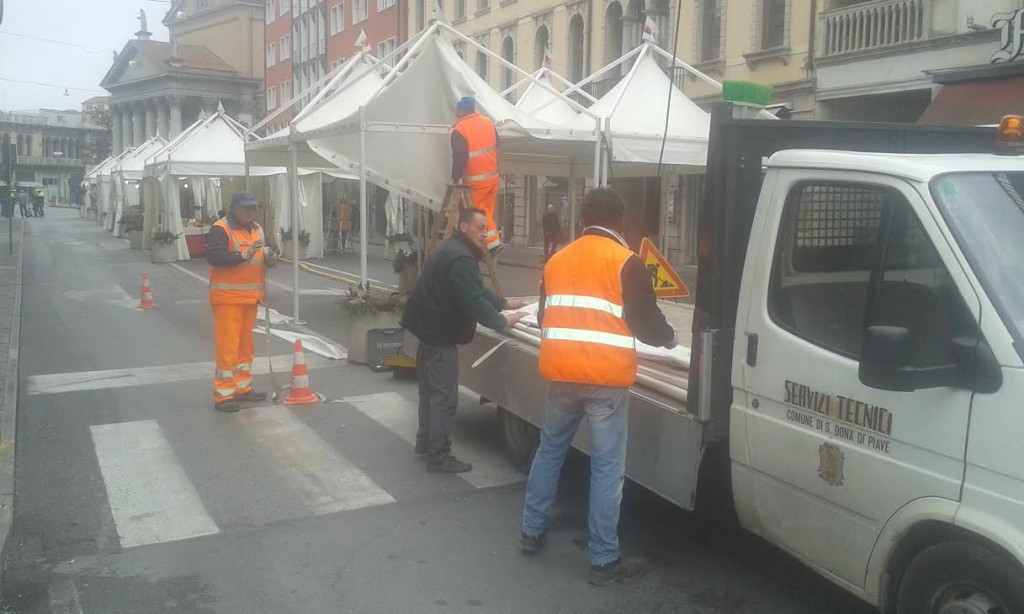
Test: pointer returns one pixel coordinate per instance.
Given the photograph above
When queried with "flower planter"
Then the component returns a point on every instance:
(164, 252)
(358, 325)
(135, 239)
(195, 238)
(288, 250)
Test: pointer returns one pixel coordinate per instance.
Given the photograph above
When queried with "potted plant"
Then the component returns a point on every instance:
(288, 250)
(398, 243)
(406, 264)
(165, 246)
(131, 225)
(365, 311)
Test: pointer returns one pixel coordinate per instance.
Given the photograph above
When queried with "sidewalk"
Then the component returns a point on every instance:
(10, 328)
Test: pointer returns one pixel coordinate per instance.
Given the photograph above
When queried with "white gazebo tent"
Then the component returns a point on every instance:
(127, 179)
(543, 104)
(210, 150)
(103, 179)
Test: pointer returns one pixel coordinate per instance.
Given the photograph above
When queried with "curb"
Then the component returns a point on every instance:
(9, 421)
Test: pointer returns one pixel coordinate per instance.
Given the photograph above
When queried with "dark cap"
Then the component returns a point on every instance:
(244, 199)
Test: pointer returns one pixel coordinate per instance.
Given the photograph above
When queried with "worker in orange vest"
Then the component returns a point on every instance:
(475, 163)
(596, 300)
(238, 259)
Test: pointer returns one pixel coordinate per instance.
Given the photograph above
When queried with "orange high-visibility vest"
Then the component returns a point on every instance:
(584, 338)
(482, 142)
(241, 284)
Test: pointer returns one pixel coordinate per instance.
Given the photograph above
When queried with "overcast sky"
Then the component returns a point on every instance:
(104, 26)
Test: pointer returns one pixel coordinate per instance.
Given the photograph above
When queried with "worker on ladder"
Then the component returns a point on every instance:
(475, 163)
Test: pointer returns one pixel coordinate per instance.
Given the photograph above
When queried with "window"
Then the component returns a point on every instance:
(286, 5)
(271, 13)
(359, 11)
(337, 19)
(481, 64)
(383, 5)
(826, 273)
(271, 54)
(711, 22)
(321, 28)
(460, 9)
(483, 5)
(286, 92)
(773, 23)
(202, 4)
(286, 48)
(271, 98)
(385, 47)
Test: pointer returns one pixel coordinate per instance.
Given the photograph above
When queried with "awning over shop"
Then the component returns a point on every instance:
(976, 103)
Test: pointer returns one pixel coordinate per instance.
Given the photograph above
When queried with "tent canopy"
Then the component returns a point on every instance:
(133, 165)
(212, 147)
(545, 105)
(408, 125)
(635, 111)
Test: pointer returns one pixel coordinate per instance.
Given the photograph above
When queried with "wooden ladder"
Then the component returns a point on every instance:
(457, 198)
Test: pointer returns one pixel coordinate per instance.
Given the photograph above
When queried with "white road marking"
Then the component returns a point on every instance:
(55, 383)
(276, 284)
(326, 482)
(151, 499)
(400, 415)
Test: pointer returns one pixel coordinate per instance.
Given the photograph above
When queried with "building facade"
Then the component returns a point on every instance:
(307, 39)
(53, 149)
(214, 57)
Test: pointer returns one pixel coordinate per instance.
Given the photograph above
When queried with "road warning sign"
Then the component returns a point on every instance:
(667, 283)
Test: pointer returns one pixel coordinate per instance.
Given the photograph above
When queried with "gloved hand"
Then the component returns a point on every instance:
(270, 256)
(249, 255)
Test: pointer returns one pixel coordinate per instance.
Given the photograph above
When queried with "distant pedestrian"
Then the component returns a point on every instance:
(344, 213)
(356, 220)
(23, 203)
(37, 203)
(552, 226)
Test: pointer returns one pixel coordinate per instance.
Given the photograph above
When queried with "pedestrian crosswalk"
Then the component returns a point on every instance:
(157, 491)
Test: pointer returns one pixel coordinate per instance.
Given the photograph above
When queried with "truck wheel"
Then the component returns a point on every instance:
(961, 578)
(521, 439)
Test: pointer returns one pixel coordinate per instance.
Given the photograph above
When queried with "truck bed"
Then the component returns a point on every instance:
(665, 440)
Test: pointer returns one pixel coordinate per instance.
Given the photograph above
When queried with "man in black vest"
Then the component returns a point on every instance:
(446, 304)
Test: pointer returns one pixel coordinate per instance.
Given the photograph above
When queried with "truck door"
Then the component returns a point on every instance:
(830, 459)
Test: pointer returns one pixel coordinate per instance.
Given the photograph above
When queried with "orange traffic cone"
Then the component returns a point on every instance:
(300, 392)
(147, 294)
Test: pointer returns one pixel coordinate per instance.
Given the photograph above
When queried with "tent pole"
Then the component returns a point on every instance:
(364, 214)
(293, 187)
(597, 153)
(572, 204)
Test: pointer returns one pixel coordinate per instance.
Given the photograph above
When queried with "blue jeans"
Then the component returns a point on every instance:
(607, 415)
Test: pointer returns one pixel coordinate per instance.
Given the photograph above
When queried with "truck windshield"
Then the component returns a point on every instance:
(986, 214)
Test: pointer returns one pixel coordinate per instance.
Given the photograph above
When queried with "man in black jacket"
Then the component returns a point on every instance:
(446, 304)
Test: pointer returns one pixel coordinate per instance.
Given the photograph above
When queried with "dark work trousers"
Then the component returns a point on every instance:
(551, 242)
(437, 371)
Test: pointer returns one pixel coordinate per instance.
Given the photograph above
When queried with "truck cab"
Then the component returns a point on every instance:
(876, 372)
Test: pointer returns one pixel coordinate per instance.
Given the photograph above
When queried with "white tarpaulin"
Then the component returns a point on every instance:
(310, 208)
(636, 109)
(212, 147)
(127, 177)
(544, 104)
(408, 140)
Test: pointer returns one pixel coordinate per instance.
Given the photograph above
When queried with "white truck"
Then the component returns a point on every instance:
(857, 372)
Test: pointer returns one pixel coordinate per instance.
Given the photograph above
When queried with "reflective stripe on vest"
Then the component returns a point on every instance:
(472, 178)
(217, 285)
(590, 336)
(585, 302)
(480, 152)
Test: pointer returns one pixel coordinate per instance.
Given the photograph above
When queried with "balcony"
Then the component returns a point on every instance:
(50, 162)
(875, 25)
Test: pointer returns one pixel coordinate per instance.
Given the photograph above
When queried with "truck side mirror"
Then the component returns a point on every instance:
(885, 363)
(885, 359)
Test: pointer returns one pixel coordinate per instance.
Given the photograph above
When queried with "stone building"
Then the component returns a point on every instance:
(214, 57)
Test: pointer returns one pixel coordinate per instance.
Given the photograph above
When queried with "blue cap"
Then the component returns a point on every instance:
(244, 199)
(466, 103)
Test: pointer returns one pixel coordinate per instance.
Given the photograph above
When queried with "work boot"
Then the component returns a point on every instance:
(448, 464)
(532, 544)
(228, 407)
(422, 448)
(617, 571)
(251, 397)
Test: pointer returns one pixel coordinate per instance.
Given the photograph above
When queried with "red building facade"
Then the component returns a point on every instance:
(279, 48)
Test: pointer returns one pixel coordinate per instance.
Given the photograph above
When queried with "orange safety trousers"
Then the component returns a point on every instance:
(484, 197)
(232, 332)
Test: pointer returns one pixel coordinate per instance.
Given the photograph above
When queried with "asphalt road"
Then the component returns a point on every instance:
(133, 495)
